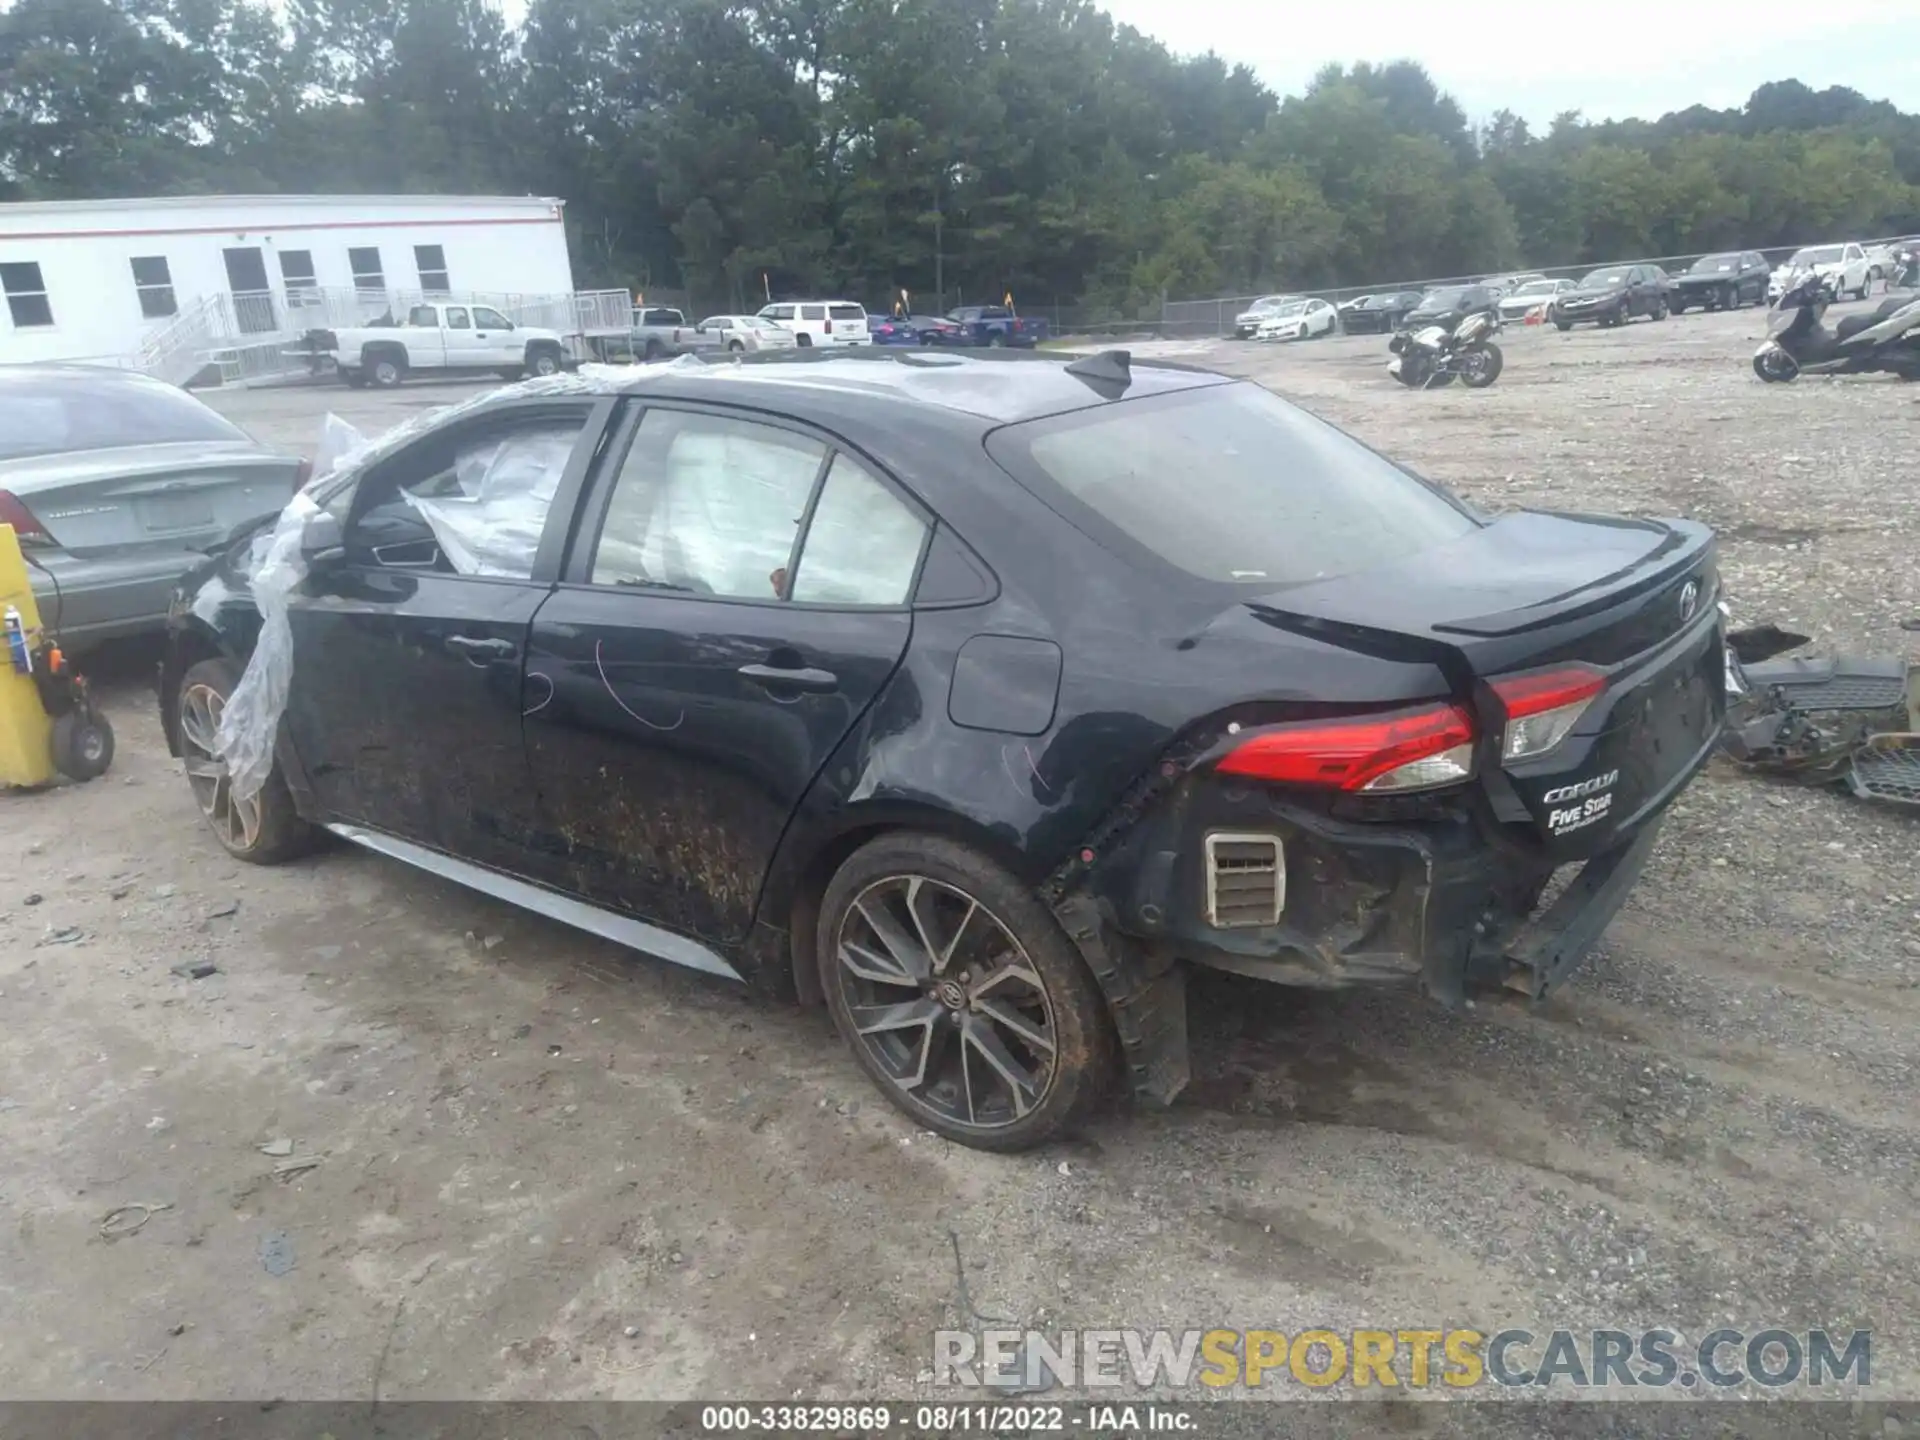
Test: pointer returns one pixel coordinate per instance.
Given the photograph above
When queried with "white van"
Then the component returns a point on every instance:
(820, 322)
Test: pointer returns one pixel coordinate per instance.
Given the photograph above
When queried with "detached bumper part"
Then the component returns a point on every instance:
(1551, 946)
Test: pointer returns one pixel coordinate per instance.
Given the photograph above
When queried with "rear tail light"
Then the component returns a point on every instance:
(1408, 750)
(1543, 707)
(28, 530)
(827, 328)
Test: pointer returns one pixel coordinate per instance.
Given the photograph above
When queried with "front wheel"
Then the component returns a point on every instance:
(960, 995)
(1563, 326)
(1659, 311)
(1481, 366)
(263, 829)
(1776, 367)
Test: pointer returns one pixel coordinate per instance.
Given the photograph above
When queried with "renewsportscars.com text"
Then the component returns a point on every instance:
(1438, 1359)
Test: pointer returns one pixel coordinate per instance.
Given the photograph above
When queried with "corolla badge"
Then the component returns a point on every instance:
(1689, 600)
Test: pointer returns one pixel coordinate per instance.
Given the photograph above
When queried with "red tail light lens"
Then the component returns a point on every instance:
(1407, 750)
(28, 530)
(1544, 706)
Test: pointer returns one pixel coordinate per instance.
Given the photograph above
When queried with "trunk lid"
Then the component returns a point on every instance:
(1632, 601)
(184, 496)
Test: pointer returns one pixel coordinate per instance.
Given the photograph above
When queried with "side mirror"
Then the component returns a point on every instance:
(321, 542)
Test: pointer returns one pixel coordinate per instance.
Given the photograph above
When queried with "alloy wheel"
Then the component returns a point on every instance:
(236, 821)
(946, 1002)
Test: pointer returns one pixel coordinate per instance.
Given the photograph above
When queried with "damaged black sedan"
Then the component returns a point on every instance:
(975, 697)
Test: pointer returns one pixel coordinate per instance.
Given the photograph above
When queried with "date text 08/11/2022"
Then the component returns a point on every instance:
(948, 1419)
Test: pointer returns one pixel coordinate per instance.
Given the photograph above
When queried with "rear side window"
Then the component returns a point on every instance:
(847, 312)
(813, 312)
(708, 505)
(1228, 484)
(863, 544)
(46, 414)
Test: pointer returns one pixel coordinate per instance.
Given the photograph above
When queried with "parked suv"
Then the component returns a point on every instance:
(820, 322)
(1613, 295)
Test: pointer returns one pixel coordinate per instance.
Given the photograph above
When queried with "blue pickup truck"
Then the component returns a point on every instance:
(996, 326)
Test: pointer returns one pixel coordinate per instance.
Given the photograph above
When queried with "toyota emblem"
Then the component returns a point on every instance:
(1689, 600)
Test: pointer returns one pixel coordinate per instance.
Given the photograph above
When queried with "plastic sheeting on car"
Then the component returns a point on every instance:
(251, 719)
(492, 527)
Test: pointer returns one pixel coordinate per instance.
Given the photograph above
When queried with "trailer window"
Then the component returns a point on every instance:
(431, 261)
(154, 284)
(296, 271)
(367, 274)
(26, 294)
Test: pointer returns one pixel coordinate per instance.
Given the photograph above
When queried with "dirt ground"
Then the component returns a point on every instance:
(548, 1168)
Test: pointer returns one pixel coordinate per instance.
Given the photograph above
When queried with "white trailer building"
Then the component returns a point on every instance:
(173, 285)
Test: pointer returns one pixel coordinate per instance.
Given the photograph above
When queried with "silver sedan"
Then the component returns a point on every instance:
(115, 485)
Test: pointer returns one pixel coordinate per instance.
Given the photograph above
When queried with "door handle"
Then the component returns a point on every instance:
(774, 677)
(475, 648)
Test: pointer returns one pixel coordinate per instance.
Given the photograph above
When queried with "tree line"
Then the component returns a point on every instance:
(732, 147)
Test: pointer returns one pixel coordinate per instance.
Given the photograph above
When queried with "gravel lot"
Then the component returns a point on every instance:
(555, 1170)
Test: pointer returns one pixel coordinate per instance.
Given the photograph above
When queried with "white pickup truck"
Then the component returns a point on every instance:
(441, 338)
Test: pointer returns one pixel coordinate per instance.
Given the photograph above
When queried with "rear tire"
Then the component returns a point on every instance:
(803, 340)
(1659, 311)
(353, 379)
(1479, 377)
(736, 347)
(265, 830)
(1018, 1052)
(385, 372)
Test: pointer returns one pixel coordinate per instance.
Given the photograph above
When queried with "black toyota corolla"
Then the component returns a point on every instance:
(975, 696)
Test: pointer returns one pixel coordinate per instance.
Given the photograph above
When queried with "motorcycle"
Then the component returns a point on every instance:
(1887, 341)
(1434, 356)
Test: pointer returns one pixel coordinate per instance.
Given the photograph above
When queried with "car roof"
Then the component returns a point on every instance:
(998, 387)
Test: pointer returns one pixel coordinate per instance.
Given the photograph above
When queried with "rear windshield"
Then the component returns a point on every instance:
(846, 312)
(1230, 484)
(49, 413)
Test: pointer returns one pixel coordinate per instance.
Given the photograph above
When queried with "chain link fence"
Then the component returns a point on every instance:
(1212, 319)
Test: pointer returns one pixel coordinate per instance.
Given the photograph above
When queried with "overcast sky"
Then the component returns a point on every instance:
(1611, 60)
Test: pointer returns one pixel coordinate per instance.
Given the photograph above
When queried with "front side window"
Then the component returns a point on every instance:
(1287, 499)
(487, 318)
(153, 283)
(431, 262)
(26, 294)
(472, 502)
(708, 505)
(863, 544)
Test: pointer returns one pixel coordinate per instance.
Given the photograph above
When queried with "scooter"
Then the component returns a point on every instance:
(1430, 357)
(1884, 342)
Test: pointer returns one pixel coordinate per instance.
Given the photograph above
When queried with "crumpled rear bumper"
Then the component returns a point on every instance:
(1434, 902)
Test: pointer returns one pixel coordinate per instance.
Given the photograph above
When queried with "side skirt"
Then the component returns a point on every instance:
(621, 929)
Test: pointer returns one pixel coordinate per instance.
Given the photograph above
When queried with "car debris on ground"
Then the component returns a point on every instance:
(1846, 719)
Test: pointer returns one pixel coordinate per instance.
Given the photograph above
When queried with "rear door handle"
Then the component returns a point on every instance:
(773, 677)
(476, 648)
